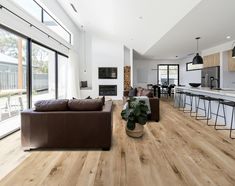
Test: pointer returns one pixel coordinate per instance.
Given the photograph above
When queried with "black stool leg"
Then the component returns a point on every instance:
(191, 104)
(197, 107)
(209, 118)
(185, 103)
(231, 126)
(217, 115)
(195, 99)
(202, 117)
(179, 100)
(224, 116)
(205, 107)
(185, 97)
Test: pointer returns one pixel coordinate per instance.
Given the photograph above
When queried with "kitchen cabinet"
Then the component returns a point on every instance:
(231, 62)
(212, 60)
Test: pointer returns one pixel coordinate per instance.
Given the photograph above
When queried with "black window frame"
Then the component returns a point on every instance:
(168, 72)
(29, 43)
(42, 20)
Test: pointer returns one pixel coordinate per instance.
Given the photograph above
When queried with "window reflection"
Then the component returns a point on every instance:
(43, 73)
(13, 97)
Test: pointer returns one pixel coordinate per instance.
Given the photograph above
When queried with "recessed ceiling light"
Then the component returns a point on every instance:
(140, 17)
(228, 37)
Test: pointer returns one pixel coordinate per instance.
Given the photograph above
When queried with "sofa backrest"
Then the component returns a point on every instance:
(69, 105)
(51, 105)
(85, 104)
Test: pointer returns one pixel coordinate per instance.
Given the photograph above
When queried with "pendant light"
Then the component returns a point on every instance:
(197, 59)
(233, 53)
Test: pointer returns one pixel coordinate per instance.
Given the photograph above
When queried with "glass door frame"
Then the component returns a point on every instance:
(29, 63)
(168, 65)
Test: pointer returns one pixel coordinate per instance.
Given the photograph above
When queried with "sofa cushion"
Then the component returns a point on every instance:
(147, 93)
(51, 105)
(85, 104)
(132, 92)
(139, 91)
(103, 99)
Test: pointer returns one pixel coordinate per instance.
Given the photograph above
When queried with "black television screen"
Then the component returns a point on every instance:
(107, 73)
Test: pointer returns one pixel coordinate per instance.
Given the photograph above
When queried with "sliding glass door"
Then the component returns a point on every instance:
(29, 72)
(13, 97)
(43, 73)
(168, 74)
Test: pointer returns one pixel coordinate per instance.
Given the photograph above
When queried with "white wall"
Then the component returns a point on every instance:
(75, 52)
(148, 69)
(145, 71)
(187, 77)
(127, 59)
(85, 65)
(104, 53)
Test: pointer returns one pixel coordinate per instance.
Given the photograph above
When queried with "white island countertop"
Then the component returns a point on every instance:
(227, 93)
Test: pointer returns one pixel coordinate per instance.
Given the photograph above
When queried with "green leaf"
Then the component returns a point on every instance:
(142, 120)
(130, 125)
(137, 111)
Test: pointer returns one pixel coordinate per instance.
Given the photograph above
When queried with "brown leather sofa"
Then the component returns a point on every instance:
(67, 129)
(155, 110)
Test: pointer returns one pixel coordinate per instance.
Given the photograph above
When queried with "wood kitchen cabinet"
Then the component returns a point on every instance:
(231, 62)
(212, 60)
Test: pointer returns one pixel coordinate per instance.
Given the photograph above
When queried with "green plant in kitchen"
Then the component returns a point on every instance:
(136, 112)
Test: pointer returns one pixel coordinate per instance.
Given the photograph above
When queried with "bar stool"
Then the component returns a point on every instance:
(196, 98)
(230, 104)
(204, 109)
(187, 94)
(208, 112)
(180, 98)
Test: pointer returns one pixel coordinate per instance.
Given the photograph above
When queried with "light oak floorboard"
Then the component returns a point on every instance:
(178, 150)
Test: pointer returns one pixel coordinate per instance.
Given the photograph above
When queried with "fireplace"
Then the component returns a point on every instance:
(108, 90)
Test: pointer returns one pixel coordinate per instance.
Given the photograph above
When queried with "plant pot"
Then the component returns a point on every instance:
(137, 132)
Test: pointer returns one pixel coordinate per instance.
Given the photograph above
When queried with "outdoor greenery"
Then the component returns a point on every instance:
(135, 112)
(9, 45)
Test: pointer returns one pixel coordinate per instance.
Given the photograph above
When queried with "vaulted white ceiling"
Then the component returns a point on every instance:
(139, 24)
(212, 20)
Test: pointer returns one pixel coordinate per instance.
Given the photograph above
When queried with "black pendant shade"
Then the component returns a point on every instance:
(233, 54)
(197, 59)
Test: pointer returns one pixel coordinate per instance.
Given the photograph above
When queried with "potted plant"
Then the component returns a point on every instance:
(136, 115)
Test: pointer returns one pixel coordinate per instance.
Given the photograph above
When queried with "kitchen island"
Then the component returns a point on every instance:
(226, 93)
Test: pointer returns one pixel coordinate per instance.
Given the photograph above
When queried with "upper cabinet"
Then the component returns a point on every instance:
(212, 60)
(231, 62)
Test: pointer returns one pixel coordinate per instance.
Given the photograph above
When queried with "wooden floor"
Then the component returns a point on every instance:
(176, 151)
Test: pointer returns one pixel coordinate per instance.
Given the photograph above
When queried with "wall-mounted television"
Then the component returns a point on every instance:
(107, 72)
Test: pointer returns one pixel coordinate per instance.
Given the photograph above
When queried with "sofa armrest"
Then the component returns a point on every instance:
(155, 110)
(25, 130)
